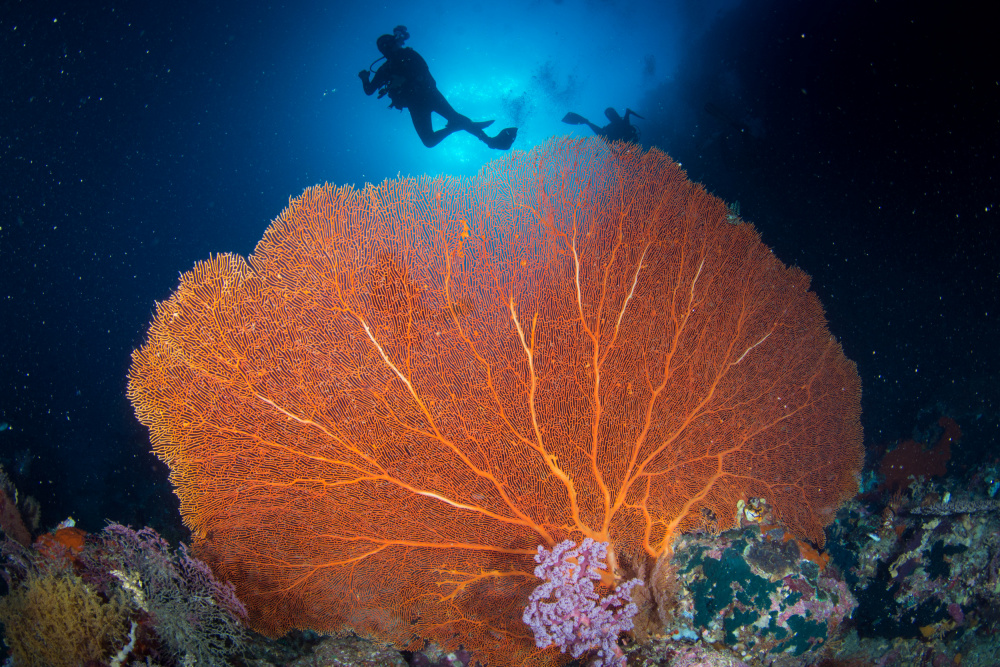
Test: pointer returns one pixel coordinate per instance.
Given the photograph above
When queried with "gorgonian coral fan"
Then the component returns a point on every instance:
(376, 420)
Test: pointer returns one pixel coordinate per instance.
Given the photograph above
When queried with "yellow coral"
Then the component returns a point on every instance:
(56, 620)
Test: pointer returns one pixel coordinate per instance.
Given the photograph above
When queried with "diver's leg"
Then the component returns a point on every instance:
(456, 120)
(421, 117)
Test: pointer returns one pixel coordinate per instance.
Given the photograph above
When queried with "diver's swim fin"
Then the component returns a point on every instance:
(504, 139)
(482, 124)
(574, 119)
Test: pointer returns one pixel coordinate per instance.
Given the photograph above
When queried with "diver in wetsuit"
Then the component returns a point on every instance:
(406, 79)
(619, 129)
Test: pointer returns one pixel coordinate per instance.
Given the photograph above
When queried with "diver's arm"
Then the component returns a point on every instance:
(368, 85)
(375, 83)
(629, 112)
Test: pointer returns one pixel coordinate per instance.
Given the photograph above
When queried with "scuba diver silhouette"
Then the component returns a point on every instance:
(619, 129)
(406, 79)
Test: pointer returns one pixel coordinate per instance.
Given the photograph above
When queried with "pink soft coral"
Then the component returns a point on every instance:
(567, 612)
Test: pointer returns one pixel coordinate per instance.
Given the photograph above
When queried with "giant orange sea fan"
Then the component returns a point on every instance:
(374, 421)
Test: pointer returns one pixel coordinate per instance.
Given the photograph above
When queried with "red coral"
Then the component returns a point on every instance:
(376, 421)
(11, 523)
(62, 546)
(911, 459)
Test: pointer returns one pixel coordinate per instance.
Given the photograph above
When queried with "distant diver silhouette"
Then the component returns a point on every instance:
(407, 80)
(619, 129)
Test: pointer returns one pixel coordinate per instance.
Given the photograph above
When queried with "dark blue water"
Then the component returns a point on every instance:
(861, 139)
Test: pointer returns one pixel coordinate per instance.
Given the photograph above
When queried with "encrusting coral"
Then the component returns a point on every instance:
(375, 421)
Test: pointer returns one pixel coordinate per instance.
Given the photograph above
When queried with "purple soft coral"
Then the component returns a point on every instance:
(567, 612)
